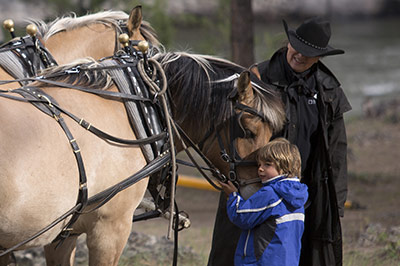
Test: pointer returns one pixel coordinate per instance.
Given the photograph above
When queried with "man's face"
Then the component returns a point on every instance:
(298, 62)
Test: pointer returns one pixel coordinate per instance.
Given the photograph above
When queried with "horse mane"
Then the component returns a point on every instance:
(198, 86)
(10, 62)
(90, 74)
(71, 21)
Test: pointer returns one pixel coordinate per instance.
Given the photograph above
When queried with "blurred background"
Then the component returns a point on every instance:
(366, 29)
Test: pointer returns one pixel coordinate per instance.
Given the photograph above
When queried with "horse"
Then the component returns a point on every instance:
(70, 38)
(38, 170)
(94, 35)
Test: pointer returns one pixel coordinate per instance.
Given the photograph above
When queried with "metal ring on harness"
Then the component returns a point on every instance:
(225, 157)
(232, 176)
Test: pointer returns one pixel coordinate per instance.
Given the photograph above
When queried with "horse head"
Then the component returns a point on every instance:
(227, 114)
(256, 131)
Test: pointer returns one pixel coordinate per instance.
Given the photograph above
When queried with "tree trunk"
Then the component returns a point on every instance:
(242, 32)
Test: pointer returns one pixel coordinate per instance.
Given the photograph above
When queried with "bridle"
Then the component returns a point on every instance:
(122, 28)
(229, 154)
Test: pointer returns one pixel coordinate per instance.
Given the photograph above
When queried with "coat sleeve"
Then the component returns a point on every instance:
(338, 148)
(247, 214)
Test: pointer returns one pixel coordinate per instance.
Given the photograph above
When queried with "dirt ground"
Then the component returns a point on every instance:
(371, 226)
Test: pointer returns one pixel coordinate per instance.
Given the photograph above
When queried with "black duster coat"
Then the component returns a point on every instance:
(326, 174)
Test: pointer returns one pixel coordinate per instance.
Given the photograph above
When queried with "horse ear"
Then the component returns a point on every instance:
(254, 69)
(245, 90)
(135, 19)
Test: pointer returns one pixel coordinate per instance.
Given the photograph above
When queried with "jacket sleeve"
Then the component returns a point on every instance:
(247, 214)
(338, 147)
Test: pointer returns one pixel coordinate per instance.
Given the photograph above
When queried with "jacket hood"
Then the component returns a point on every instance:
(292, 192)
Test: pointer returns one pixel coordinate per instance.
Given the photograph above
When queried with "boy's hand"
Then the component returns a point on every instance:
(228, 188)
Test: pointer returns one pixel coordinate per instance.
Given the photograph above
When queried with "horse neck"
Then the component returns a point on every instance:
(96, 41)
(5, 76)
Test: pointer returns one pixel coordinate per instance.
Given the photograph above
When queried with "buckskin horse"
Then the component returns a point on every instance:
(70, 38)
(208, 99)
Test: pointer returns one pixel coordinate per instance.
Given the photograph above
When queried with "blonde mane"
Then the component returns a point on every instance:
(90, 74)
(71, 21)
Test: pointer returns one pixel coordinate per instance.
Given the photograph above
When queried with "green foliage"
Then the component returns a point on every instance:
(215, 28)
(271, 42)
(62, 7)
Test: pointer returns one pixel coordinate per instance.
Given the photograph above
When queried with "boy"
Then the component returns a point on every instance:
(272, 219)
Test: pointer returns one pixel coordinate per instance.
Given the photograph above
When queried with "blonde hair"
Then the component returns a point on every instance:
(284, 155)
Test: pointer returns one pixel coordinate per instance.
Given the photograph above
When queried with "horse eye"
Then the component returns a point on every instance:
(248, 134)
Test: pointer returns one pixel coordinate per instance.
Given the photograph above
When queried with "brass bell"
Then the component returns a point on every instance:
(8, 24)
(123, 39)
(31, 29)
(143, 46)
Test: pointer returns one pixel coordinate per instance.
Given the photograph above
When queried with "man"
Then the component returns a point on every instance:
(315, 104)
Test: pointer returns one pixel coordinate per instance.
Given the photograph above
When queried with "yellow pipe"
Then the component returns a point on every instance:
(194, 182)
(200, 183)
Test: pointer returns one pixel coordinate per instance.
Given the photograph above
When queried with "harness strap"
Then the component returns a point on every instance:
(51, 110)
(88, 126)
(246, 182)
(249, 110)
(215, 172)
(102, 197)
(31, 53)
(109, 94)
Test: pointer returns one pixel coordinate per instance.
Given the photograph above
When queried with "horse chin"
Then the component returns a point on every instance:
(247, 191)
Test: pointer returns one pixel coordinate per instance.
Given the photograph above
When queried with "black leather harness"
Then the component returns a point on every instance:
(49, 106)
(31, 53)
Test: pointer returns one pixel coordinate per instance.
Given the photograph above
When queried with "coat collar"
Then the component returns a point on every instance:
(276, 73)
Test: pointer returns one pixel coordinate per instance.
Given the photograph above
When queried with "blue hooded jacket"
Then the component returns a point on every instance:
(272, 222)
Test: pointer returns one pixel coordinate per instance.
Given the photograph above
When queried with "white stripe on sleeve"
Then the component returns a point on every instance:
(261, 209)
(290, 217)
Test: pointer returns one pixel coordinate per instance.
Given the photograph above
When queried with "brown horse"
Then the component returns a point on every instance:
(207, 106)
(71, 38)
(38, 169)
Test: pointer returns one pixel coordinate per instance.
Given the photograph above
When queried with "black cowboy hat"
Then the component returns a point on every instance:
(311, 38)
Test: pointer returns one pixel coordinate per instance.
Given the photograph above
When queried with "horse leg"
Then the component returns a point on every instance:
(63, 254)
(108, 229)
(107, 240)
(6, 260)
